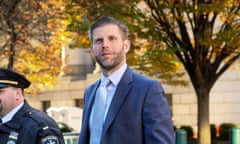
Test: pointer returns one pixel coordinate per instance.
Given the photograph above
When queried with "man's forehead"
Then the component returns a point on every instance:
(110, 28)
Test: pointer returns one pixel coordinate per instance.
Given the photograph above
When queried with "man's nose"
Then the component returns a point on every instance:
(105, 43)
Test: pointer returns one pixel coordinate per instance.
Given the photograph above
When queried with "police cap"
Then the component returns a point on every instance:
(11, 78)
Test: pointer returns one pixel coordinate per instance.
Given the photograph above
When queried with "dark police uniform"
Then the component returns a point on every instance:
(28, 125)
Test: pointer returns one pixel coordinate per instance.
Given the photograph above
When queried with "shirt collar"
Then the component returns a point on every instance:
(10, 115)
(115, 76)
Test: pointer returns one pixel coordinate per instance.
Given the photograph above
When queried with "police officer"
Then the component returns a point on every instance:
(20, 123)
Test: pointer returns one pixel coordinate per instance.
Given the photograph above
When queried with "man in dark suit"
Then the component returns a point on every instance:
(135, 107)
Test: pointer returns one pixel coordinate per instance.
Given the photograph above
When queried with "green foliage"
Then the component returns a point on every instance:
(64, 127)
(147, 53)
(213, 130)
(189, 131)
(225, 131)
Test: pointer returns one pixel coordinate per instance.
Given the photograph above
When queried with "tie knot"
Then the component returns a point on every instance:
(105, 83)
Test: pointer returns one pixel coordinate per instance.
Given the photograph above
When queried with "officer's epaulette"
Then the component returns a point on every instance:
(34, 116)
(42, 123)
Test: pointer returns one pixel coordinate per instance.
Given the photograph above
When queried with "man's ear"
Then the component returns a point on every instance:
(92, 51)
(126, 45)
(19, 93)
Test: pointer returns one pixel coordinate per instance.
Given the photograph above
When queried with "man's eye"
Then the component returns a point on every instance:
(98, 41)
(112, 38)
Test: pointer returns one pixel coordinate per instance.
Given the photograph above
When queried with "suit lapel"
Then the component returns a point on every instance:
(121, 92)
(89, 96)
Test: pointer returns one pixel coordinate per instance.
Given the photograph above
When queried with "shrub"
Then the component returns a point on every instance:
(189, 131)
(225, 130)
(213, 131)
(64, 127)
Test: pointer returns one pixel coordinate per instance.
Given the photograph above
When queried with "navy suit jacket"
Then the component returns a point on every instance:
(139, 113)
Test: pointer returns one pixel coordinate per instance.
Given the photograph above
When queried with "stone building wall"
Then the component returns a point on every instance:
(224, 101)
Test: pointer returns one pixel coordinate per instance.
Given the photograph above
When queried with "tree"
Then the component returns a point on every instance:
(204, 35)
(30, 36)
(153, 63)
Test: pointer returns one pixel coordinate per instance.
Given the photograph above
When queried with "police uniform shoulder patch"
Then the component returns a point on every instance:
(50, 140)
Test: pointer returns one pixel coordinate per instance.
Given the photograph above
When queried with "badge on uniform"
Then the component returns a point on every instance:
(12, 138)
(50, 140)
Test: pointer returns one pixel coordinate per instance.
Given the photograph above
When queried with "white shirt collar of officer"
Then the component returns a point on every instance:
(10, 115)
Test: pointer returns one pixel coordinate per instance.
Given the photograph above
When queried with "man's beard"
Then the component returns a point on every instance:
(115, 61)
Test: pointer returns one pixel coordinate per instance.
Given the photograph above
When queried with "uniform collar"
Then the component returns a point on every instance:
(10, 115)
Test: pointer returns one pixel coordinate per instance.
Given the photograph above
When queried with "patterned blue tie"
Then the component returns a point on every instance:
(98, 113)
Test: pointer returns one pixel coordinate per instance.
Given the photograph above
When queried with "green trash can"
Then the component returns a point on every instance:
(235, 135)
(181, 136)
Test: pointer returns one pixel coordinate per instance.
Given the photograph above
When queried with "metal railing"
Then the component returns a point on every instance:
(70, 138)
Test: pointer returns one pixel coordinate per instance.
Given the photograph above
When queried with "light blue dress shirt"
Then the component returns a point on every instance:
(115, 79)
(111, 88)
